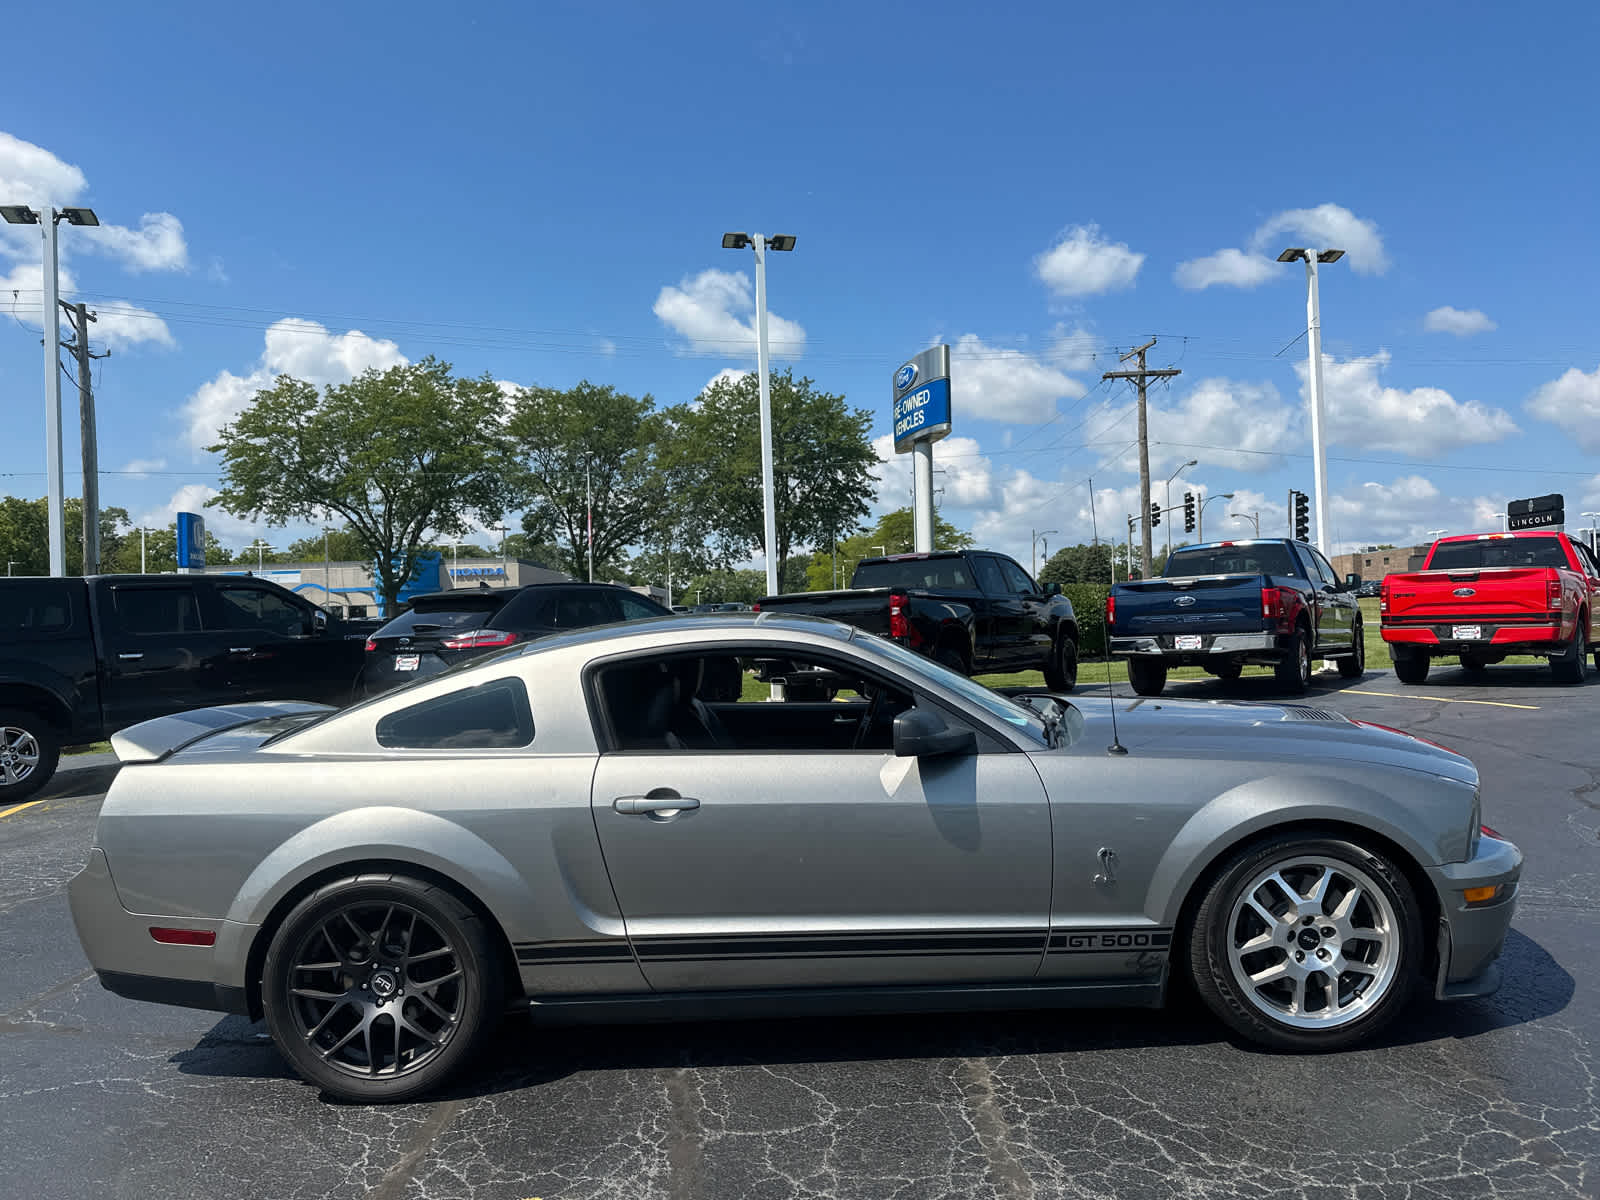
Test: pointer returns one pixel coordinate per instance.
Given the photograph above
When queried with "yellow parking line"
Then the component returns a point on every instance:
(16, 808)
(1415, 696)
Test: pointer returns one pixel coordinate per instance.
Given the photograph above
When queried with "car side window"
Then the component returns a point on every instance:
(1587, 560)
(257, 608)
(147, 611)
(989, 577)
(1325, 568)
(491, 716)
(1016, 578)
(1305, 564)
(636, 608)
(35, 608)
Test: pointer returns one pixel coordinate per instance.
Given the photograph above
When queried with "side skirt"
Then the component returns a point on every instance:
(807, 1002)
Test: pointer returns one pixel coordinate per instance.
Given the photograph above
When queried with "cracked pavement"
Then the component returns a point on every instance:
(1489, 1098)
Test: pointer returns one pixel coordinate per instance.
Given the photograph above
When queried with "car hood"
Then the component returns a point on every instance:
(1304, 732)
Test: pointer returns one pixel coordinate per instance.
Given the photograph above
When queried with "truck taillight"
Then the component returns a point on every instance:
(756, 607)
(479, 639)
(1272, 603)
(899, 626)
(1552, 594)
(371, 645)
(1111, 611)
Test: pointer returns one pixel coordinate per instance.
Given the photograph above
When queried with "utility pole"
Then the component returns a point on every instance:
(588, 519)
(79, 316)
(1141, 377)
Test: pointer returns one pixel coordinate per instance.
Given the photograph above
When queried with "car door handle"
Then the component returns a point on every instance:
(132, 656)
(240, 649)
(658, 802)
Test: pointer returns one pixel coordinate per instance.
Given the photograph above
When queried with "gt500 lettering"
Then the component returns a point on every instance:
(1101, 941)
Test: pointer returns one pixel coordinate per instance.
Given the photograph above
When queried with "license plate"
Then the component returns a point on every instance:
(1466, 633)
(407, 662)
(1187, 641)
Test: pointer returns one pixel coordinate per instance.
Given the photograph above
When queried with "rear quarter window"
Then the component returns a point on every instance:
(491, 716)
(31, 608)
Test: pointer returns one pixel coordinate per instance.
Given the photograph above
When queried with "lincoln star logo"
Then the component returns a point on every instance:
(905, 377)
(1465, 592)
(1185, 601)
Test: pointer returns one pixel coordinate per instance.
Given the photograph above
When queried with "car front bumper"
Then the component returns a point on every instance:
(131, 963)
(1471, 935)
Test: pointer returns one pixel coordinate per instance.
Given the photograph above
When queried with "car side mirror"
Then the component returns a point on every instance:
(1051, 589)
(919, 733)
(319, 621)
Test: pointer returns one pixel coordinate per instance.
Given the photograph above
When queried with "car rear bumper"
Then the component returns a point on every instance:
(1165, 645)
(131, 963)
(1471, 935)
(1440, 637)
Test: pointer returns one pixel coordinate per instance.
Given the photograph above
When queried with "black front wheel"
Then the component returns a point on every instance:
(1354, 664)
(1293, 671)
(1410, 666)
(377, 988)
(1572, 664)
(1147, 676)
(1061, 669)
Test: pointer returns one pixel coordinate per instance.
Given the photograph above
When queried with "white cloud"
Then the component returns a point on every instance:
(1230, 268)
(140, 468)
(715, 312)
(1000, 384)
(1572, 403)
(1222, 422)
(192, 497)
(1403, 511)
(157, 245)
(1461, 322)
(726, 375)
(1082, 263)
(1425, 422)
(963, 475)
(1075, 349)
(1323, 227)
(33, 176)
(303, 349)
(118, 326)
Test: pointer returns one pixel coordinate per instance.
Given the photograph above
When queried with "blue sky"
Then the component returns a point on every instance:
(538, 191)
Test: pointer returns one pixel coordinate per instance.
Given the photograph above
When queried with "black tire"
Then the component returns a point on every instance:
(1061, 670)
(949, 655)
(1228, 672)
(1147, 676)
(456, 987)
(30, 750)
(1410, 666)
(1473, 665)
(1293, 670)
(1223, 927)
(1572, 664)
(1354, 664)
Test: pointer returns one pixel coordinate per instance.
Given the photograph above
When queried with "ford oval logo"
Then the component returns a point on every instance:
(905, 377)
(1185, 601)
(1465, 592)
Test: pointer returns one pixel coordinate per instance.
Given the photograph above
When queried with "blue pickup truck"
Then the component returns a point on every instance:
(1221, 605)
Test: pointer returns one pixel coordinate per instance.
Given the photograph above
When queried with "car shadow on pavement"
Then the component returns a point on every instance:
(528, 1055)
(78, 781)
(1531, 676)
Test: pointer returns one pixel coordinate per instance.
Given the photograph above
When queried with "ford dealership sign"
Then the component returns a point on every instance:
(922, 399)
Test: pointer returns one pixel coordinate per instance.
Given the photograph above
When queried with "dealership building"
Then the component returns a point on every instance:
(1375, 563)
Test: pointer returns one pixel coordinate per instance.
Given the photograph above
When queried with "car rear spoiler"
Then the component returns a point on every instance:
(151, 741)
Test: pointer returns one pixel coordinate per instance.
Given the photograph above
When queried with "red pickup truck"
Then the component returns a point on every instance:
(1485, 596)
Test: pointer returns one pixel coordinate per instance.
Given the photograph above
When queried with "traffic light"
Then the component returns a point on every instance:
(1302, 516)
(1188, 512)
(1155, 514)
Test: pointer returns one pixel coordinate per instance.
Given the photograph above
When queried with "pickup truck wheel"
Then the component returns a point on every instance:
(1354, 665)
(29, 752)
(1293, 671)
(950, 656)
(1572, 664)
(1061, 671)
(377, 988)
(1410, 666)
(1307, 943)
(1147, 676)
(1473, 665)
(1228, 672)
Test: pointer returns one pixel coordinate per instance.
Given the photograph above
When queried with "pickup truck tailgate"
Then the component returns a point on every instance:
(1468, 592)
(1197, 603)
(866, 608)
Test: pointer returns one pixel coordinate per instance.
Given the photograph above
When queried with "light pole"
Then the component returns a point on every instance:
(505, 567)
(327, 575)
(260, 546)
(142, 532)
(1200, 518)
(1594, 533)
(1319, 455)
(46, 219)
(1255, 517)
(1038, 536)
(761, 244)
(1502, 517)
(10, 562)
(1193, 462)
(1433, 533)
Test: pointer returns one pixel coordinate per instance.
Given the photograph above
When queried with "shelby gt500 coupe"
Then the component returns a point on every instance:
(571, 829)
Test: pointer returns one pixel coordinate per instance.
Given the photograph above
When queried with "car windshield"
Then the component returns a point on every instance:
(1498, 552)
(1266, 558)
(916, 573)
(1023, 720)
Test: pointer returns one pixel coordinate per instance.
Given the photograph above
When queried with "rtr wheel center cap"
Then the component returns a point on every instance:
(1309, 939)
(384, 985)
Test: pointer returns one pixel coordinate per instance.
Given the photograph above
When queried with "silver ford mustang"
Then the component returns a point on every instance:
(569, 829)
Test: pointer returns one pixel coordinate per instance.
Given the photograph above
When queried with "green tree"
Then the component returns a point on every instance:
(588, 449)
(343, 545)
(722, 586)
(822, 466)
(398, 454)
(1083, 563)
(25, 535)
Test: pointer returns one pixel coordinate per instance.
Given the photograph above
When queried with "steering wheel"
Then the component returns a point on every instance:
(869, 718)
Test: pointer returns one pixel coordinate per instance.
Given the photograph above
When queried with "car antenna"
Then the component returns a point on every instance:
(1116, 746)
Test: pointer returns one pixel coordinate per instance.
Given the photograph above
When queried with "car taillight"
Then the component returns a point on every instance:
(899, 626)
(1552, 594)
(1272, 603)
(1111, 610)
(479, 639)
(371, 645)
(1491, 833)
(756, 607)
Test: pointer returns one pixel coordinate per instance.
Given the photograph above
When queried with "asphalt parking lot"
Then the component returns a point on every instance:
(1490, 1098)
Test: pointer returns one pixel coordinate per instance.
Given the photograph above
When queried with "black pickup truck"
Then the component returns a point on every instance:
(972, 610)
(1220, 605)
(83, 658)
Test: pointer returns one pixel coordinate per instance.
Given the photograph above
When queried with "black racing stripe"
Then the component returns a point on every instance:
(1108, 941)
(963, 942)
(571, 952)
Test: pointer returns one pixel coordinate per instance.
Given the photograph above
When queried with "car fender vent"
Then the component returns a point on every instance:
(1303, 712)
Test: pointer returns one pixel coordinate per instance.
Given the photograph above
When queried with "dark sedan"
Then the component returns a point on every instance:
(446, 628)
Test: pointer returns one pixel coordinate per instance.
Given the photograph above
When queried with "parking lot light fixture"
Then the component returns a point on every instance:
(1319, 451)
(1254, 518)
(1200, 518)
(18, 214)
(761, 244)
(1193, 462)
(1433, 533)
